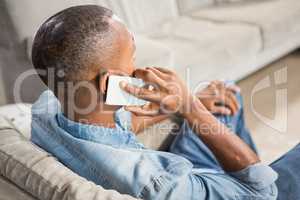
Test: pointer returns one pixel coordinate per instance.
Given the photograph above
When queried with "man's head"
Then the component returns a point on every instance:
(75, 50)
(78, 43)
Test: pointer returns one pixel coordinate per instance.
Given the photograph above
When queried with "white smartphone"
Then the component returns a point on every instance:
(116, 96)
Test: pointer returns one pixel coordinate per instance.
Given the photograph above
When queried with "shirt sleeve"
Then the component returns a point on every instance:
(198, 184)
(255, 182)
(258, 176)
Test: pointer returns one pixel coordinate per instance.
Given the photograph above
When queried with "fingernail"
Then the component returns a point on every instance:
(123, 84)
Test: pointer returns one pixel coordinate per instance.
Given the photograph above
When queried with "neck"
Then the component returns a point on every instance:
(101, 115)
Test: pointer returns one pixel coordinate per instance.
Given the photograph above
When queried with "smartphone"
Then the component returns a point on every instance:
(116, 96)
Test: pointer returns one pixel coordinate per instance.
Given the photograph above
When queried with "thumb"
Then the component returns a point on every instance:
(222, 110)
(142, 111)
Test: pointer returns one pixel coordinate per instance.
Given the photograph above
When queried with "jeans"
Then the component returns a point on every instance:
(288, 168)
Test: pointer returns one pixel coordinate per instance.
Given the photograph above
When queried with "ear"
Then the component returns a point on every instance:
(103, 80)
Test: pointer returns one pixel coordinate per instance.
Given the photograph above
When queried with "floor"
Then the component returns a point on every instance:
(272, 115)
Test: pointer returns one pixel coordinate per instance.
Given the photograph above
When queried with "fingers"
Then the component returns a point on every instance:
(234, 88)
(141, 93)
(222, 110)
(158, 73)
(149, 77)
(212, 91)
(222, 85)
(143, 110)
(229, 101)
(228, 95)
(234, 100)
(164, 70)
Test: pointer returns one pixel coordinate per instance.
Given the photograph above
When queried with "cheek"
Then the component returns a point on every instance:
(130, 64)
(131, 69)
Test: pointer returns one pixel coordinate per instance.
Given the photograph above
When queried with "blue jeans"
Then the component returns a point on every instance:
(288, 168)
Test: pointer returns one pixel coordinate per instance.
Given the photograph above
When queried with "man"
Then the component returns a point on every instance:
(79, 48)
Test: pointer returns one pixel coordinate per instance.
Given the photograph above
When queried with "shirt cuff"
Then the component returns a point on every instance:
(258, 176)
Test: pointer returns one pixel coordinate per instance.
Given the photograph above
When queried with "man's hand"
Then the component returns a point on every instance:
(219, 98)
(169, 94)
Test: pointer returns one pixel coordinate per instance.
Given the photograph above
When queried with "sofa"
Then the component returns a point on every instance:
(200, 39)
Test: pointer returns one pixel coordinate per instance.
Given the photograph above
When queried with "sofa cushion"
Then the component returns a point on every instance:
(144, 15)
(139, 15)
(152, 53)
(160, 135)
(187, 6)
(40, 174)
(19, 116)
(27, 23)
(278, 20)
(208, 49)
(222, 2)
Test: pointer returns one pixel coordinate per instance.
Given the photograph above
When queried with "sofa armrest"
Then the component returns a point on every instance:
(40, 174)
(10, 191)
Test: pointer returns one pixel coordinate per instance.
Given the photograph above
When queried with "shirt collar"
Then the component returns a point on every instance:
(48, 107)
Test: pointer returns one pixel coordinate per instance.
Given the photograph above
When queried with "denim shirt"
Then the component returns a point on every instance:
(114, 159)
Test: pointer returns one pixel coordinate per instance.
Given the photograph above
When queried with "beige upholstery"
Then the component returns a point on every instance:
(160, 135)
(143, 15)
(185, 6)
(243, 35)
(264, 15)
(9, 191)
(153, 53)
(19, 116)
(36, 14)
(197, 43)
(40, 174)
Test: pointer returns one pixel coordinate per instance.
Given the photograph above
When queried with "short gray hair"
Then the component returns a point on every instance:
(68, 41)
